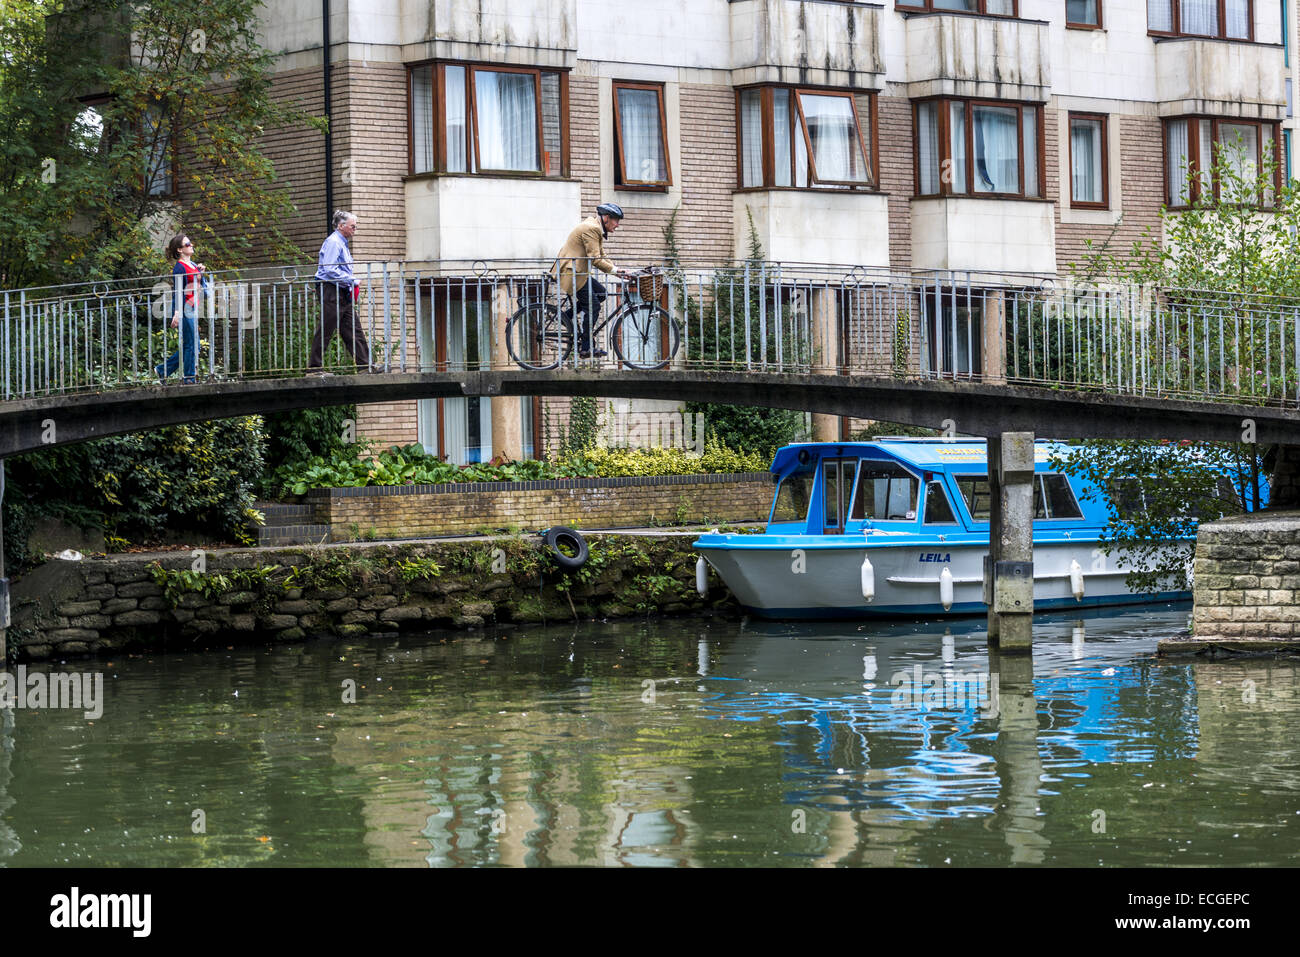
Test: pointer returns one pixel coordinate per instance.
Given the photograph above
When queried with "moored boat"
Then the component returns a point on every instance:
(900, 527)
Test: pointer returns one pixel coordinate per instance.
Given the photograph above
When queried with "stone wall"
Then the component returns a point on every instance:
(460, 508)
(160, 602)
(1247, 581)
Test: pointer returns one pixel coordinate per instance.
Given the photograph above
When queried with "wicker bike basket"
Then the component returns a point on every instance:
(650, 286)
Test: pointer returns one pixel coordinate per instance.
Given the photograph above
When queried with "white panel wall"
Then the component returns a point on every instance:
(815, 226)
(479, 217)
(686, 33)
(983, 234)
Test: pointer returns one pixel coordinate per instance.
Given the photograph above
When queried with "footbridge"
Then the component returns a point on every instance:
(977, 354)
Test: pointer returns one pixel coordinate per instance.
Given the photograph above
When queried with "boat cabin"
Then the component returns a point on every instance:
(913, 485)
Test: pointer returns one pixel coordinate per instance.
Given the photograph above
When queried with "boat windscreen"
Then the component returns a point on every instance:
(886, 492)
(792, 497)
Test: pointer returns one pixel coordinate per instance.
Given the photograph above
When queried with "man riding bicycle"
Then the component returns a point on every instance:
(585, 248)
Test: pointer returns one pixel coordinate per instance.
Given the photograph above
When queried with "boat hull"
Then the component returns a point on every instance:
(821, 579)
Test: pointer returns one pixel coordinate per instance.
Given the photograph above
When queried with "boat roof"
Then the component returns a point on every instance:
(933, 454)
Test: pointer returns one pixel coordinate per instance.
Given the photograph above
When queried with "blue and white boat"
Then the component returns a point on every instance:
(900, 527)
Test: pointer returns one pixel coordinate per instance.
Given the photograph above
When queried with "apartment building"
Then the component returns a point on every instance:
(989, 137)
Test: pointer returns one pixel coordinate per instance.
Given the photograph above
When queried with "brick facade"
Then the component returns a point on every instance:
(466, 508)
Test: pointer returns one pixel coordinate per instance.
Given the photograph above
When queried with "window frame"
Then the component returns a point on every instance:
(163, 125)
(1079, 25)
(767, 130)
(438, 119)
(944, 132)
(1194, 163)
(1103, 120)
(927, 6)
(1175, 19)
(620, 181)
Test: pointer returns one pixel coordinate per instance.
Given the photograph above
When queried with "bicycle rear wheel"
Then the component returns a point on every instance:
(538, 337)
(645, 336)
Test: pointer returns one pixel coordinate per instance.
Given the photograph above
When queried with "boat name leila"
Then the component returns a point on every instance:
(936, 557)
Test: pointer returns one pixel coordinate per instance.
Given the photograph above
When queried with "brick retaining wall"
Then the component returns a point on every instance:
(460, 508)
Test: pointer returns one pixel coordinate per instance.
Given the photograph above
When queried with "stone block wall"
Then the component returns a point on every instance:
(1247, 579)
(462, 508)
(159, 603)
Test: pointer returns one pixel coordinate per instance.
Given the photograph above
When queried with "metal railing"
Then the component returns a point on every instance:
(755, 316)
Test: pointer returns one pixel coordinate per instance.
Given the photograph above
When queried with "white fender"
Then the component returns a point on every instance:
(702, 577)
(868, 580)
(945, 588)
(1076, 580)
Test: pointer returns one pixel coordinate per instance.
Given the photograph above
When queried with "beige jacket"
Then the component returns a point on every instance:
(584, 248)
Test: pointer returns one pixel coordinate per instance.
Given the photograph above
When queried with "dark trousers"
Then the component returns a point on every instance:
(336, 315)
(589, 299)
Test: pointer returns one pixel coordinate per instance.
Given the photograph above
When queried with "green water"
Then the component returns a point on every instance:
(669, 743)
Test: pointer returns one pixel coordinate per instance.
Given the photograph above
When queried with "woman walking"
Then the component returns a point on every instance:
(186, 275)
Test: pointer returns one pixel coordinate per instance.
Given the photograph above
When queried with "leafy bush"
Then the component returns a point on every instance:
(188, 478)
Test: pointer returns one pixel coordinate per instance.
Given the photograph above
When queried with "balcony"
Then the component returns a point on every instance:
(806, 42)
(987, 57)
(458, 217)
(1220, 78)
(815, 226)
(539, 33)
(983, 235)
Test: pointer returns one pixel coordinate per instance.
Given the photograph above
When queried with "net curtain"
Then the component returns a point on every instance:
(506, 105)
(643, 149)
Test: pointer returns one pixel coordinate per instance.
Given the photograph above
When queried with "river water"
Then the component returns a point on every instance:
(668, 743)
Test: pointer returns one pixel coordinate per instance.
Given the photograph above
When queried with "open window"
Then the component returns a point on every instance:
(805, 138)
(640, 137)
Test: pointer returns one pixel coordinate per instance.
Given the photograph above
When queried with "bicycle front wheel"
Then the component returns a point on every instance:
(538, 337)
(646, 337)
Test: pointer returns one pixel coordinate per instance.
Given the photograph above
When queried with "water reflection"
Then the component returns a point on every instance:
(670, 744)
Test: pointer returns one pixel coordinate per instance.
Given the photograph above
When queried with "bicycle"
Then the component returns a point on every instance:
(540, 335)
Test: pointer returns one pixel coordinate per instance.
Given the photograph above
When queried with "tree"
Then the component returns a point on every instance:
(93, 121)
(1224, 249)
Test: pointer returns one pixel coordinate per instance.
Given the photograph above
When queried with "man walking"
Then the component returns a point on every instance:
(585, 248)
(336, 287)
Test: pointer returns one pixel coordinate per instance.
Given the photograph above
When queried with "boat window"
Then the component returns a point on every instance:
(886, 492)
(975, 490)
(1056, 498)
(792, 497)
(938, 511)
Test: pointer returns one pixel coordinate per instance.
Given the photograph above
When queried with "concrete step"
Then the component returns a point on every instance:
(293, 534)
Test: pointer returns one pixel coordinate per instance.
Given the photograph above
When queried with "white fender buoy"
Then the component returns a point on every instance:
(868, 580)
(945, 588)
(1076, 580)
(702, 577)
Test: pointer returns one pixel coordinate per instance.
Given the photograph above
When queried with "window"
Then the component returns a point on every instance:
(978, 148)
(640, 137)
(159, 175)
(993, 8)
(886, 492)
(803, 138)
(1088, 173)
(1083, 13)
(1242, 147)
(488, 119)
(1053, 497)
(792, 498)
(938, 510)
(1227, 19)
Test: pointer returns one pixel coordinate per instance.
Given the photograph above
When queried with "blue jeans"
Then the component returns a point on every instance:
(188, 352)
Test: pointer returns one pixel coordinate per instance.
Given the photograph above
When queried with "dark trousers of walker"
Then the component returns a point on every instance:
(589, 300)
(337, 315)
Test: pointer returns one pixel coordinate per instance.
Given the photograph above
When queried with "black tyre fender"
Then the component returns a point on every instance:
(552, 538)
